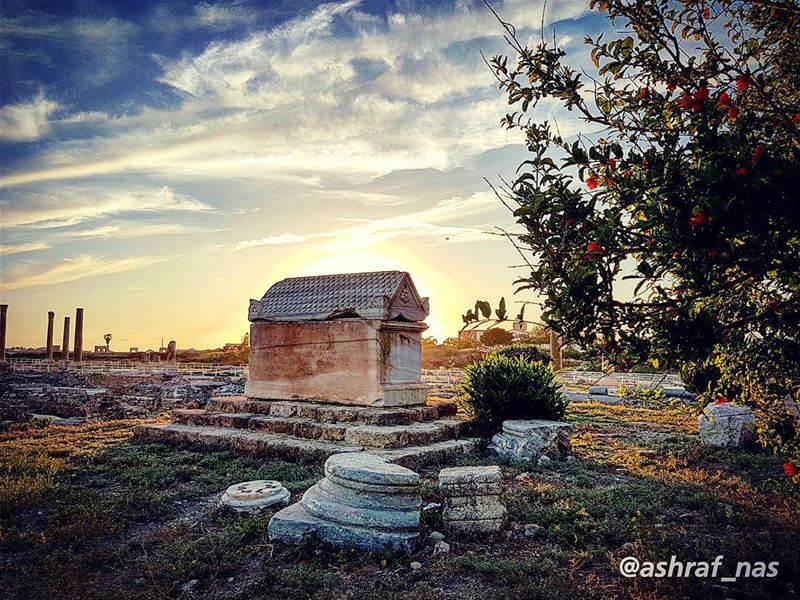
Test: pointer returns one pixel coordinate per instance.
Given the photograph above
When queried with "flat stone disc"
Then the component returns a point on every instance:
(253, 496)
(370, 469)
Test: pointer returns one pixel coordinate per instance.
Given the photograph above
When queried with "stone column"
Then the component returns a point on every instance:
(50, 316)
(3, 311)
(65, 341)
(555, 351)
(77, 354)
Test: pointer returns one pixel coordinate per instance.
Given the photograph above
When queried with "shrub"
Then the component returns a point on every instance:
(530, 352)
(501, 387)
(642, 394)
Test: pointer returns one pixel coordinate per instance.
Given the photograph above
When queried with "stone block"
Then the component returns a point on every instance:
(528, 440)
(364, 501)
(727, 426)
(472, 499)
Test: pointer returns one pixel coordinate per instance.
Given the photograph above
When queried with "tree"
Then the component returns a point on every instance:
(686, 185)
(496, 337)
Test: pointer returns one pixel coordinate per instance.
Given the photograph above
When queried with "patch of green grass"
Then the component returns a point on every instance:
(199, 472)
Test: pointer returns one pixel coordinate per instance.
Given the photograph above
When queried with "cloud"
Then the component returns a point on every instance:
(363, 232)
(71, 206)
(297, 101)
(132, 229)
(73, 269)
(27, 121)
(20, 248)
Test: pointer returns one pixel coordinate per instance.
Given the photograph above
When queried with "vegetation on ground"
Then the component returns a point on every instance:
(502, 386)
(124, 520)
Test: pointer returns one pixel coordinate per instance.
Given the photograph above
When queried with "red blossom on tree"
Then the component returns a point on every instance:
(741, 171)
(701, 95)
(733, 113)
(743, 82)
(790, 470)
(724, 100)
(721, 400)
(592, 182)
(697, 218)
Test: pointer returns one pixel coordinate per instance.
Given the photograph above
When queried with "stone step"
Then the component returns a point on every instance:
(332, 413)
(354, 433)
(273, 445)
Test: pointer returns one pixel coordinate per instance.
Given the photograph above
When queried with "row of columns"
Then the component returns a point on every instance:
(77, 353)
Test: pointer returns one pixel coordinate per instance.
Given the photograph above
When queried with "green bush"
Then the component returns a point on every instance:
(530, 352)
(500, 387)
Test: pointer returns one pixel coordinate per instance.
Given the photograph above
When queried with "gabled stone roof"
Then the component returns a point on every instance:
(385, 295)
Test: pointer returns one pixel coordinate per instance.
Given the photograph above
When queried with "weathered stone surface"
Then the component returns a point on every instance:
(528, 440)
(727, 425)
(364, 501)
(472, 499)
(251, 497)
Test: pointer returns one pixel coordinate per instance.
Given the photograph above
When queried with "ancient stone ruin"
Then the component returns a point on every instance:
(529, 440)
(472, 499)
(364, 501)
(334, 367)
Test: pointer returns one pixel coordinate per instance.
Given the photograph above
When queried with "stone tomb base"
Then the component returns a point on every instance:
(309, 431)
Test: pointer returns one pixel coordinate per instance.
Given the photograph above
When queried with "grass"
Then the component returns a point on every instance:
(84, 513)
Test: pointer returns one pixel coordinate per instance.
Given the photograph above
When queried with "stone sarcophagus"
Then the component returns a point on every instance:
(343, 339)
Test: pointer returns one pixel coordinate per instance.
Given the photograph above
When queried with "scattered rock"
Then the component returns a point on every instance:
(598, 390)
(528, 440)
(441, 548)
(544, 461)
(570, 459)
(436, 536)
(533, 530)
(727, 426)
(431, 506)
(251, 497)
(190, 586)
(415, 566)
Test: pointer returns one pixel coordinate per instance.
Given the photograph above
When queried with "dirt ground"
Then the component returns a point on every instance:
(85, 513)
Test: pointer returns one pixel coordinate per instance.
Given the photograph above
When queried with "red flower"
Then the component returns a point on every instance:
(672, 311)
(594, 248)
(684, 100)
(670, 86)
(721, 400)
(701, 95)
(790, 470)
(643, 93)
(592, 182)
(612, 164)
(697, 218)
(678, 292)
(796, 117)
(733, 113)
(571, 221)
(724, 100)
(772, 305)
(743, 82)
(757, 152)
(741, 171)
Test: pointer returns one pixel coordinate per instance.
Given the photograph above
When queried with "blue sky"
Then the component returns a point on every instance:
(163, 162)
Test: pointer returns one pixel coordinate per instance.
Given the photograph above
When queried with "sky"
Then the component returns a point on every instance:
(163, 162)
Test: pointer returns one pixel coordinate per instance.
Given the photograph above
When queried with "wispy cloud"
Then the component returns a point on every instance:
(73, 269)
(133, 229)
(20, 248)
(27, 121)
(363, 232)
(71, 206)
